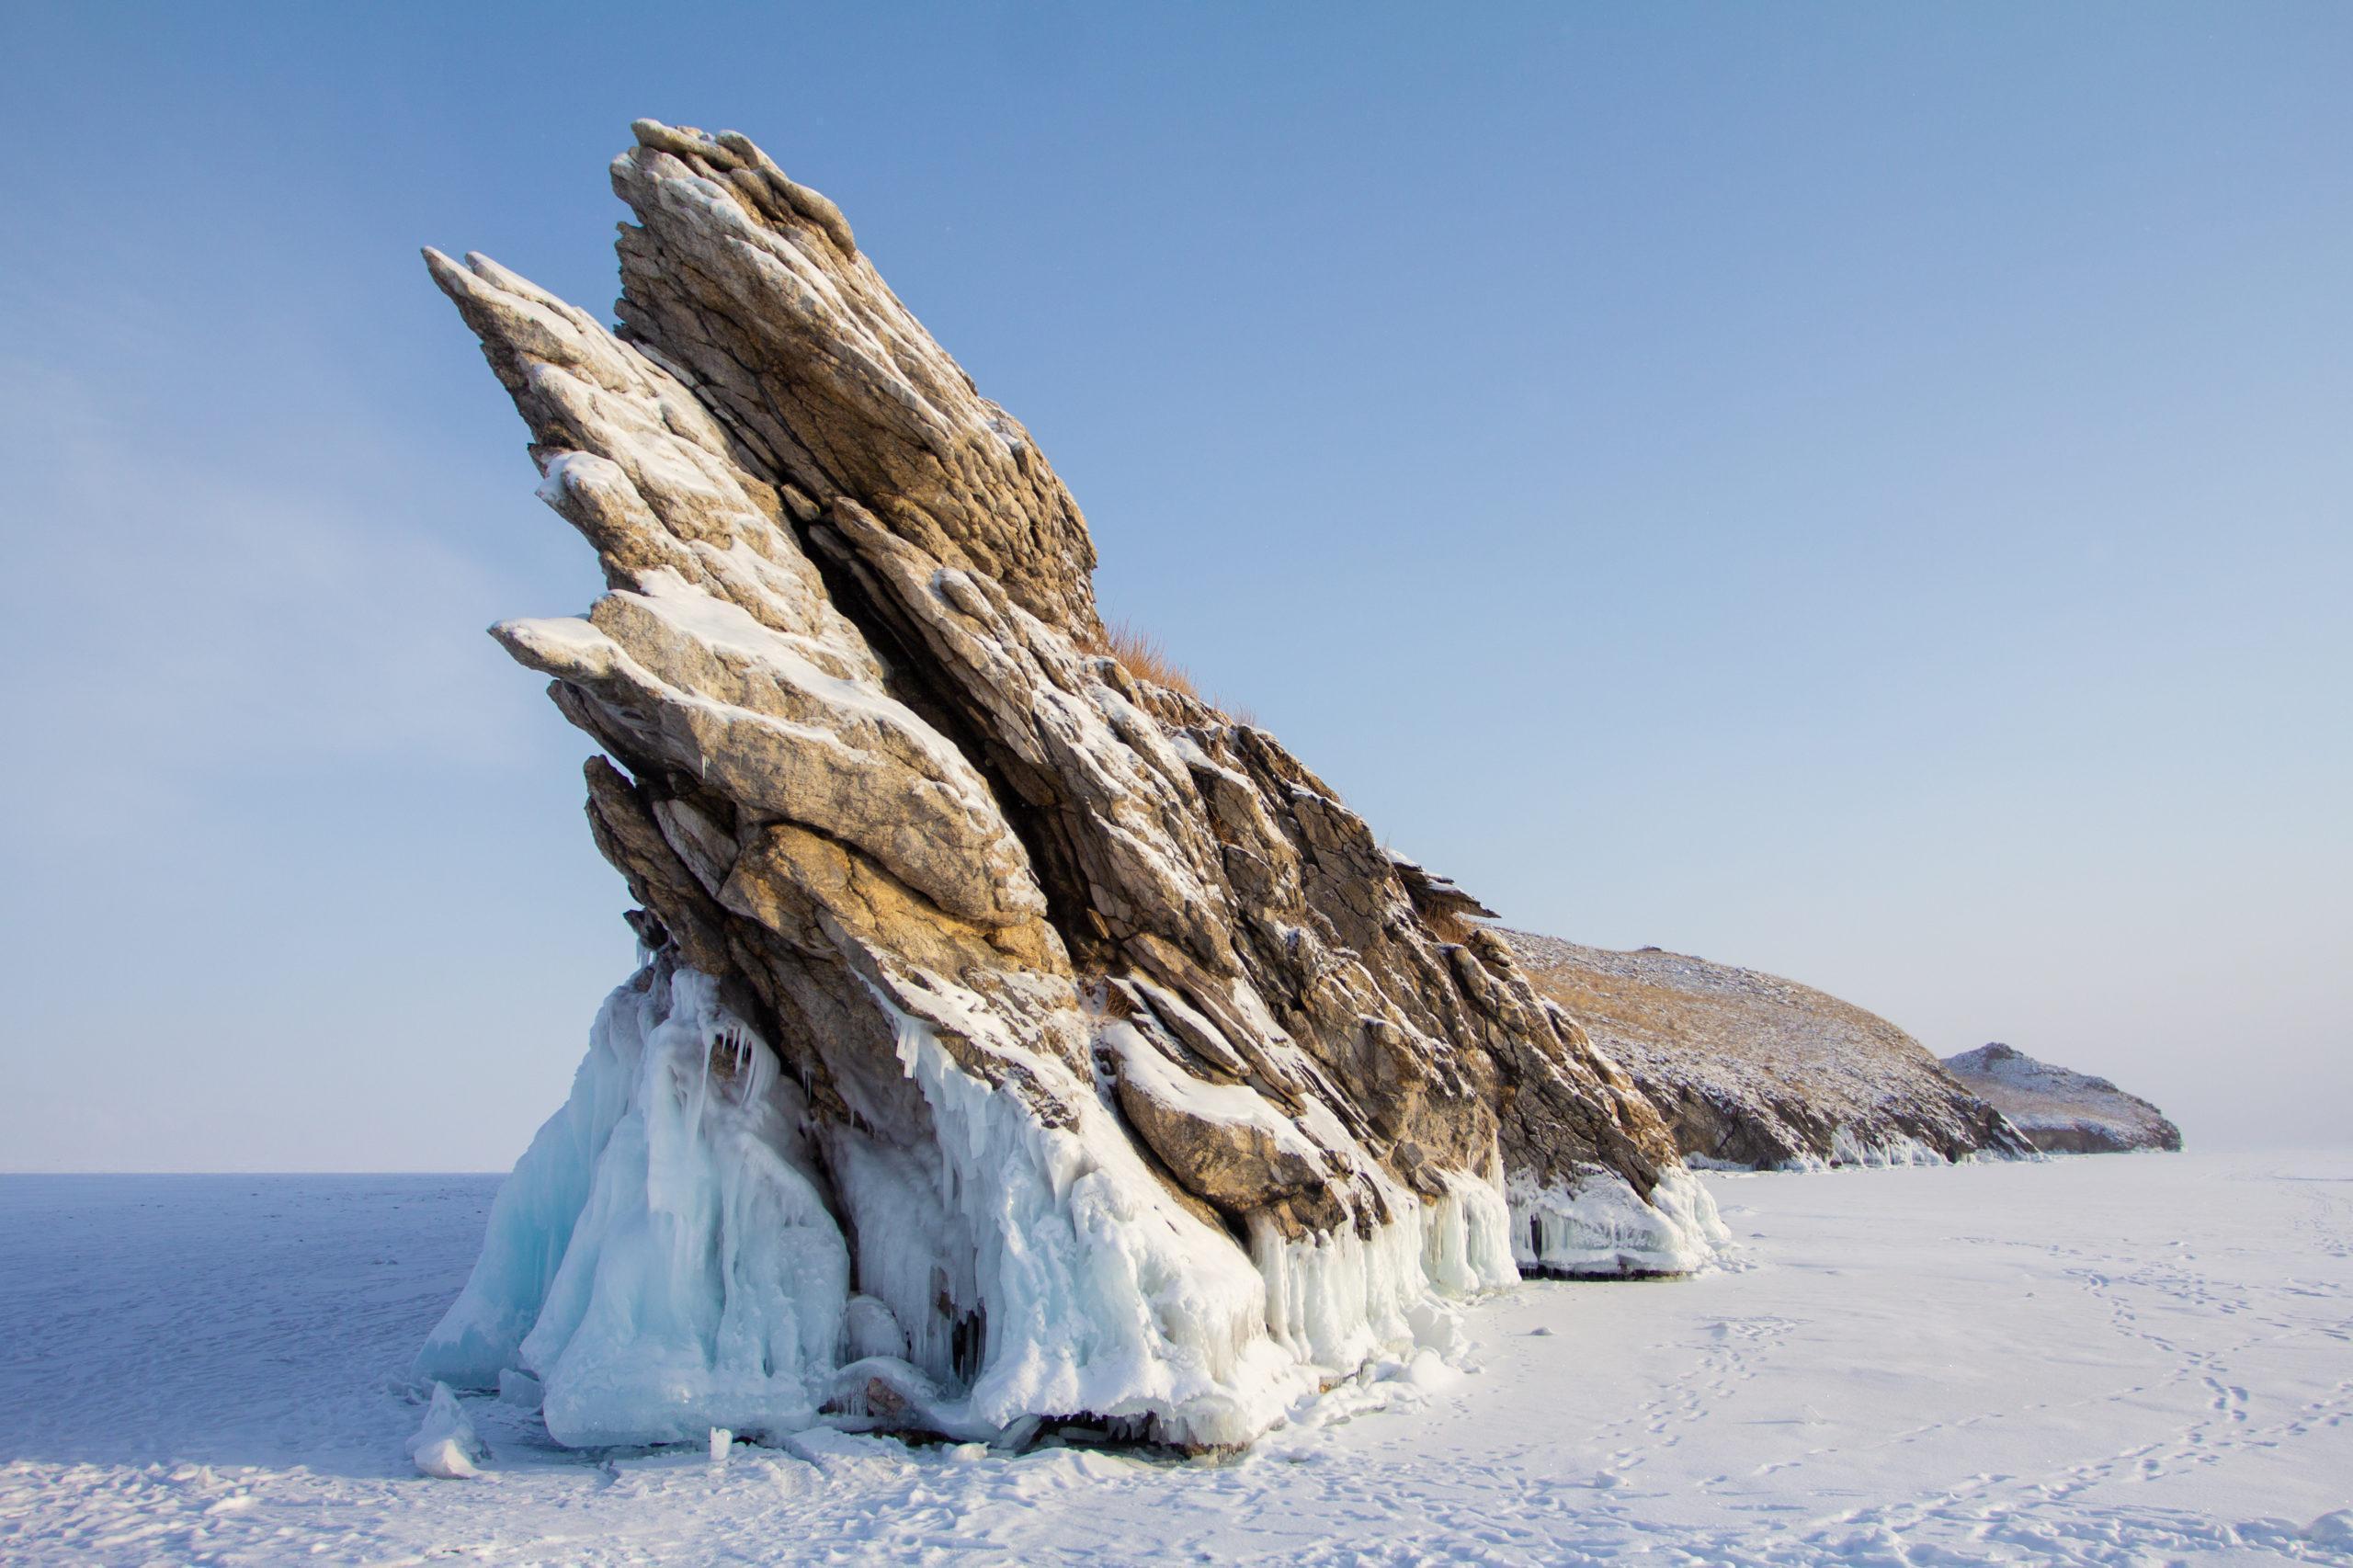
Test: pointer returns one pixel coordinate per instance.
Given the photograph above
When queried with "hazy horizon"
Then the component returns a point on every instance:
(1860, 494)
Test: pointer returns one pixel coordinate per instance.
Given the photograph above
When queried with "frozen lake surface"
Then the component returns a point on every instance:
(2127, 1358)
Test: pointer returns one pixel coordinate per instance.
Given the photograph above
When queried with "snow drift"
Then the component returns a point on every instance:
(1018, 1038)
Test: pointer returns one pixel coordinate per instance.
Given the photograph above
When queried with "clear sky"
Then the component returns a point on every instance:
(1860, 492)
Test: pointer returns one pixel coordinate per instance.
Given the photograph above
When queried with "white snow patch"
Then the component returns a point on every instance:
(445, 1446)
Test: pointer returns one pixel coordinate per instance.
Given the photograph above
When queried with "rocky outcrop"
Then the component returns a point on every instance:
(1759, 1072)
(2061, 1112)
(1018, 1038)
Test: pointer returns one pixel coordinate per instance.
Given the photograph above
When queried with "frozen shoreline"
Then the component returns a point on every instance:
(2084, 1360)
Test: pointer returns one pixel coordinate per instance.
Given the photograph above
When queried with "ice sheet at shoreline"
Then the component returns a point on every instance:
(2132, 1359)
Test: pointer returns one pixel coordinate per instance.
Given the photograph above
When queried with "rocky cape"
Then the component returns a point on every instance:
(1017, 1041)
(2061, 1112)
(1754, 1072)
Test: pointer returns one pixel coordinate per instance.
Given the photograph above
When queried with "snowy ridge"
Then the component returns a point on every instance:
(1753, 1072)
(2060, 1112)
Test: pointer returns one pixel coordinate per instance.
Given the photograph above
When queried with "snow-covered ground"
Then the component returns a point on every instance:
(2134, 1358)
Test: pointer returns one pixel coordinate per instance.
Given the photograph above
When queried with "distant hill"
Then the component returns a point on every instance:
(1754, 1071)
(2061, 1111)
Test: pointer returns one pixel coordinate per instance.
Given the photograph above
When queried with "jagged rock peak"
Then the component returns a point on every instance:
(1017, 1039)
(2060, 1112)
(748, 286)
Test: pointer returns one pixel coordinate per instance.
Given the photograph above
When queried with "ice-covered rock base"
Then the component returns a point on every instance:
(1603, 1230)
(661, 1261)
(675, 1255)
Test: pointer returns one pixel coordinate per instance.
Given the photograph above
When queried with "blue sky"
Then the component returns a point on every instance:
(1864, 493)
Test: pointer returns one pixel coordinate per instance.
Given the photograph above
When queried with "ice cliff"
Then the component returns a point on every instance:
(1756, 1072)
(2060, 1112)
(1016, 1039)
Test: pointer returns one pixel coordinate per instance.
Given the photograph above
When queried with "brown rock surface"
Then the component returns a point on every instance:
(960, 875)
(1754, 1071)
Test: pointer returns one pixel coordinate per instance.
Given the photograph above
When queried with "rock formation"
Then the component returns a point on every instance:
(1759, 1072)
(1017, 1040)
(2061, 1112)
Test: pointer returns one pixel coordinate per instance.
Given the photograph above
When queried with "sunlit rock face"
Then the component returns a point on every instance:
(1018, 1038)
(1757, 1073)
(2063, 1112)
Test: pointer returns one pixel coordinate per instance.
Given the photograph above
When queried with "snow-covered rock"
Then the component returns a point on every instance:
(1017, 1039)
(445, 1446)
(2061, 1112)
(1753, 1072)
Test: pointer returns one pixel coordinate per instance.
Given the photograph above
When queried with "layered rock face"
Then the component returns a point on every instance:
(1759, 1072)
(1017, 1040)
(2061, 1112)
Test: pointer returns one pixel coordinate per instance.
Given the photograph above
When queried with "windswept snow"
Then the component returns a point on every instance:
(2129, 1361)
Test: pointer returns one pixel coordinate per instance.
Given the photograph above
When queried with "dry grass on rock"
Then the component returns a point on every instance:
(1144, 656)
(1141, 655)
